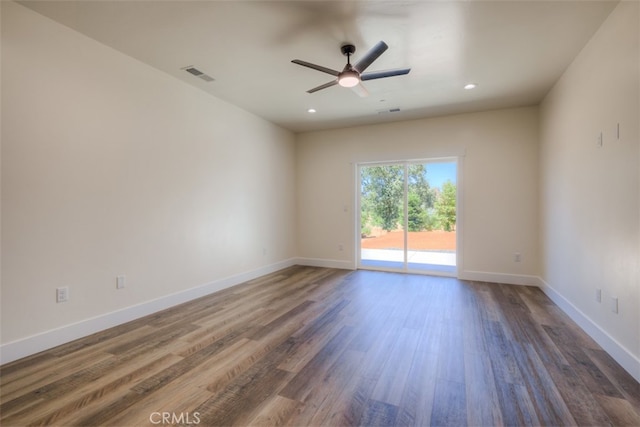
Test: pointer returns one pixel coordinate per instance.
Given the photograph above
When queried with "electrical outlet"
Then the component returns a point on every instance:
(340, 247)
(614, 304)
(120, 282)
(598, 295)
(62, 294)
(517, 257)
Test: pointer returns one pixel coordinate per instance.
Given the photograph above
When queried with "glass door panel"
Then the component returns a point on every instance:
(431, 217)
(382, 243)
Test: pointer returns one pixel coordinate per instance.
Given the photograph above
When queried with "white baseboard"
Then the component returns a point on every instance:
(326, 263)
(36, 343)
(616, 350)
(510, 279)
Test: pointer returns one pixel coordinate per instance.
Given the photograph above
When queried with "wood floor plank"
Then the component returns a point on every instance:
(481, 395)
(217, 372)
(313, 337)
(395, 373)
(545, 397)
(591, 376)
(370, 373)
(379, 414)
(313, 372)
(325, 347)
(281, 320)
(56, 411)
(517, 408)
(619, 411)
(187, 364)
(180, 398)
(39, 378)
(63, 385)
(243, 398)
(235, 360)
(59, 363)
(370, 321)
(618, 376)
(325, 405)
(276, 412)
(505, 367)
(157, 381)
(482, 400)
(157, 338)
(451, 360)
(417, 399)
(449, 404)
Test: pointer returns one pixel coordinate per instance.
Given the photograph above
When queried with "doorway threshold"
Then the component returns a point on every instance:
(414, 268)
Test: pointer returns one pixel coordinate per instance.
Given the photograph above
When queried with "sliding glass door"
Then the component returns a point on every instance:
(408, 216)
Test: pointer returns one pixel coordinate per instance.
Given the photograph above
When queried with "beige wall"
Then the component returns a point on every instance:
(499, 185)
(590, 235)
(111, 167)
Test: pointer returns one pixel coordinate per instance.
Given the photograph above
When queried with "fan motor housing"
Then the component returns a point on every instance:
(347, 49)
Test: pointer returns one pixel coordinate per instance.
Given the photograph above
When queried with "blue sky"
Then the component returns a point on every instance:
(440, 172)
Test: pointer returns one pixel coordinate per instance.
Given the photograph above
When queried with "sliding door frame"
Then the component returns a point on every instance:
(405, 221)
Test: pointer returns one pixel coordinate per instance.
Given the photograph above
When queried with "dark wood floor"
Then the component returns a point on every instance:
(312, 346)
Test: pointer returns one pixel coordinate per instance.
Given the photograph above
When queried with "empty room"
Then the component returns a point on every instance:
(320, 213)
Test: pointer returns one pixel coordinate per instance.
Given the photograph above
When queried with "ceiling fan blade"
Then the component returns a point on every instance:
(316, 67)
(360, 90)
(382, 74)
(324, 86)
(371, 56)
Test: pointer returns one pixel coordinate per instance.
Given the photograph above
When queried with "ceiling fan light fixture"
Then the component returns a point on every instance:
(348, 79)
(352, 75)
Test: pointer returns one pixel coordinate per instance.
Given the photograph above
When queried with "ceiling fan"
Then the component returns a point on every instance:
(353, 75)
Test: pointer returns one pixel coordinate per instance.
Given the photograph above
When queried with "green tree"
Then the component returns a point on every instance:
(382, 189)
(419, 185)
(445, 206)
(416, 214)
(366, 215)
(382, 201)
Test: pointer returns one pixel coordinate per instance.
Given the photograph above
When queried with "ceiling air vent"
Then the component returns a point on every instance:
(391, 110)
(193, 70)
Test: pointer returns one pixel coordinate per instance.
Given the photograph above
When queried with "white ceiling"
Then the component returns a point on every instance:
(513, 50)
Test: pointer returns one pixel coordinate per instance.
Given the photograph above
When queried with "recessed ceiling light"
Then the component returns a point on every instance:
(311, 110)
(470, 86)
